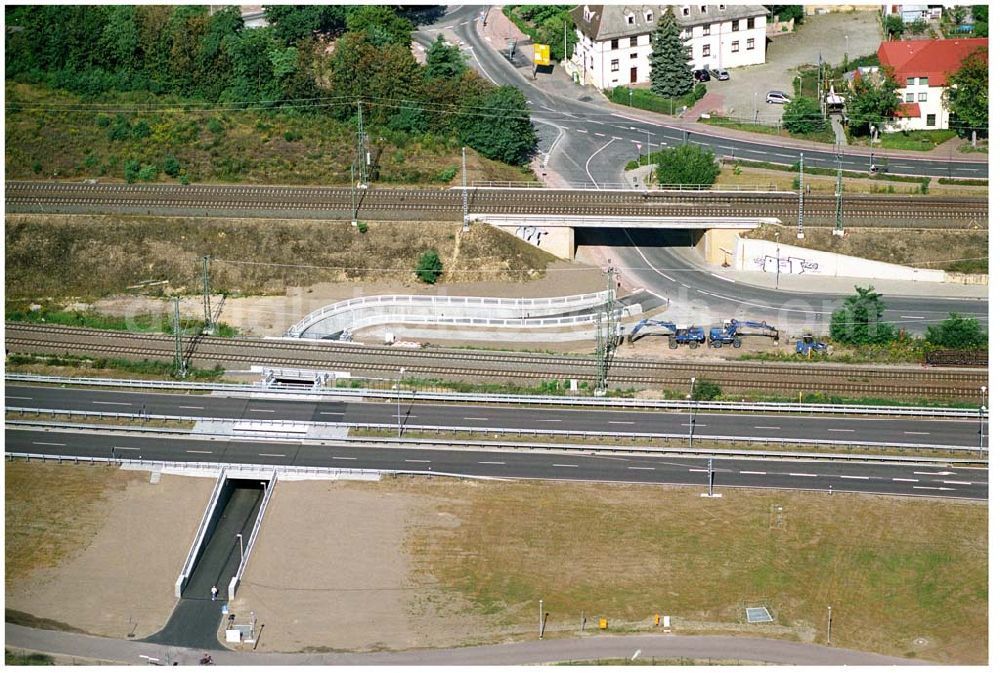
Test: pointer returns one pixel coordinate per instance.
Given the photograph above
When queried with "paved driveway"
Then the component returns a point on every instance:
(819, 35)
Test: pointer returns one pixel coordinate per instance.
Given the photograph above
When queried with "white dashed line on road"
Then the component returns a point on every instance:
(697, 469)
(413, 460)
(331, 413)
(839, 430)
(600, 135)
(800, 474)
(904, 479)
(492, 462)
(581, 130)
(127, 448)
(272, 455)
(48, 444)
(342, 458)
(475, 418)
(642, 468)
(960, 483)
(182, 407)
(751, 472)
(622, 422)
(196, 451)
(935, 488)
(263, 411)
(550, 420)
(120, 404)
(766, 427)
(563, 465)
(909, 432)
(15, 397)
(912, 317)
(851, 476)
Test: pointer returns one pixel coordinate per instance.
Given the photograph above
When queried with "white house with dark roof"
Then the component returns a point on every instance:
(613, 41)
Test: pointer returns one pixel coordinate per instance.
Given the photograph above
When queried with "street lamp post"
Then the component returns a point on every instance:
(239, 536)
(754, 107)
(777, 260)
(399, 400)
(691, 414)
(982, 414)
(630, 97)
(847, 48)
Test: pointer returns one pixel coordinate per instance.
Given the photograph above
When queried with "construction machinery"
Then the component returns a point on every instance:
(808, 345)
(692, 336)
(670, 328)
(732, 330)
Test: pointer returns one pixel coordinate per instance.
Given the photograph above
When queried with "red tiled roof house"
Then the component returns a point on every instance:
(922, 68)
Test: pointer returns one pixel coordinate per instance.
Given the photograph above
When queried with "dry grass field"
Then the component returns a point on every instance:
(904, 576)
(94, 255)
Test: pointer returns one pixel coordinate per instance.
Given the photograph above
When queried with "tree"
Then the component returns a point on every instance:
(686, 165)
(957, 332)
(706, 390)
(380, 25)
(444, 61)
(429, 267)
(893, 26)
(981, 20)
(670, 73)
(787, 12)
(967, 95)
(498, 126)
(291, 23)
(803, 115)
(871, 102)
(859, 321)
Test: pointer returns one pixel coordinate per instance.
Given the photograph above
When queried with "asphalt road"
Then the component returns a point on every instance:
(906, 430)
(744, 649)
(195, 619)
(664, 262)
(586, 129)
(909, 480)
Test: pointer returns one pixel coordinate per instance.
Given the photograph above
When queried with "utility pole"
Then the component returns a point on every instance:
(607, 336)
(541, 619)
(354, 208)
(838, 227)
(465, 196)
(207, 297)
(362, 154)
(801, 232)
(180, 366)
(829, 623)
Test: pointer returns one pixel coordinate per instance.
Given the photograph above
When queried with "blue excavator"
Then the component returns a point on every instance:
(692, 336)
(732, 330)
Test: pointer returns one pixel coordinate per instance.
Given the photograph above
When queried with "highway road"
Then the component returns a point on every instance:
(583, 131)
(663, 262)
(904, 430)
(910, 480)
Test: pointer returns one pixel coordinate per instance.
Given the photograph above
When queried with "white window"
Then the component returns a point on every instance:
(736, 46)
(932, 120)
(750, 44)
(923, 81)
(633, 41)
(649, 16)
(706, 30)
(922, 97)
(706, 50)
(910, 81)
(909, 98)
(614, 65)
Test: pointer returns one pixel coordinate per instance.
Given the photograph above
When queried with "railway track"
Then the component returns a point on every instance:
(480, 366)
(268, 201)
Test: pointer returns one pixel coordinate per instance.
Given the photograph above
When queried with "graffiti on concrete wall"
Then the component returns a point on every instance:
(532, 235)
(790, 265)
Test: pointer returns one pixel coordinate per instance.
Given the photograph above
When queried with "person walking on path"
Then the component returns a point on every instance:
(215, 591)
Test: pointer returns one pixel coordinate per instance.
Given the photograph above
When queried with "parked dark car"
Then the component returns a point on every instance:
(702, 75)
(719, 74)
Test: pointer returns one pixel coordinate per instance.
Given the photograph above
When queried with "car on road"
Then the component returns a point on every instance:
(779, 97)
(702, 75)
(719, 74)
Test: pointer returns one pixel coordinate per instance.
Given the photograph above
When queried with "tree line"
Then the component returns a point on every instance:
(317, 59)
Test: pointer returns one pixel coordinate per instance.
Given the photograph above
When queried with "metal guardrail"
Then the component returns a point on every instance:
(484, 398)
(616, 187)
(283, 426)
(237, 577)
(199, 537)
(593, 298)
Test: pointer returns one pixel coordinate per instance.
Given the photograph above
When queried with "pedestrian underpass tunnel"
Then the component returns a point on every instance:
(221, 543)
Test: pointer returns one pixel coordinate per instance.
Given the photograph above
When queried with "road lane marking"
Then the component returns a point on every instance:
(938, 474)
(909, 432)
(642, 468)
(960, 483)
(402, 416)
(492, 462)
(728, 280)
(600, 134)
(120, 404)
(622, 422)
(475, 418)
(581, 130)
(800, 474)
(16, 397)
(851, 476)
(766, 427)
(48, 444)
(413, 460)
(550, 420)
(127, 448)
(194, 451)
(182, 407)
(272, 455)
(697, 469)
(331, 413)
(913, 317)
(904, 479)
(342, 458)
(563, 465)
(265, 411)
(839, 430)
(751, 472)
(935, 488)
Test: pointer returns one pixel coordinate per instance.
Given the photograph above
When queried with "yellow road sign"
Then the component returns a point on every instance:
(541, 54)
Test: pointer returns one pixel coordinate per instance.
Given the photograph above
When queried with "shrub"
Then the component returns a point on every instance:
(36, 167)
(120, 129)
(131, 170)
(686, 165)
(925, 185)
(215, 126)
(957, 332)
(429, 267)
(185, 180)
(171, 166)
(148, 172)
(292, 136)
(447, 174)
(362, 227)
(141, 130)
(706, 390)
(103, 121)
